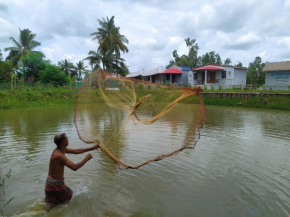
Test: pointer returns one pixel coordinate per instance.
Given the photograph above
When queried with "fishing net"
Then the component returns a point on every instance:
(137, 122)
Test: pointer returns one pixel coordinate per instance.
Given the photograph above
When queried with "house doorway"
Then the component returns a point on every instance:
(203, 78)
(173, 78)
(212, 78)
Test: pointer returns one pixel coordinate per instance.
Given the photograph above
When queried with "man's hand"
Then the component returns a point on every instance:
(96, 146)
(88, 157)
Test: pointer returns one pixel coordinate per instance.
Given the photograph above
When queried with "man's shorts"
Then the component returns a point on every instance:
(56, 192)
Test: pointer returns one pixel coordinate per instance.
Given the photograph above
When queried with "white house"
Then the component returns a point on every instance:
(215, 75)
(173, 76)
(277, 75)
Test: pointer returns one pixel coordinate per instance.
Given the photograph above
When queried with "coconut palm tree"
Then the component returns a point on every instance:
(25, 46)
(80, 68)
(67, 67)
(94, 59)
(109, 38)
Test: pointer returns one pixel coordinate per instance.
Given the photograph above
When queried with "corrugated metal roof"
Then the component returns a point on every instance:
(184, 68)
(135, 74)
(278, 66)
(153, 71)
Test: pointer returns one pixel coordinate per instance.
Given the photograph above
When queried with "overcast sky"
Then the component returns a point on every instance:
(240, 30)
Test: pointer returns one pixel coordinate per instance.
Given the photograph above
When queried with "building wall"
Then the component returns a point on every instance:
(277, 79)
(240, 77)
(184, 78)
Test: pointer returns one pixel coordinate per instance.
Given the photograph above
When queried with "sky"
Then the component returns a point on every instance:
(239, 30)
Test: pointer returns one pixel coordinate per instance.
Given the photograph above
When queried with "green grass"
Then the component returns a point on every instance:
(36, 98)
(248, 91)
(269, 102)
(43, 97)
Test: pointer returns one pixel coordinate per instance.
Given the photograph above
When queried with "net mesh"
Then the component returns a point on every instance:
(119, 113)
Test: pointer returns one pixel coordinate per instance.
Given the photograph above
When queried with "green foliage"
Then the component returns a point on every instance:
(5, 69)
(23, 47)
(52, 74)
(255, 74)
(32, 64)
(227, 62)
(220, 87)
(80, 68)
(212, 87)
(211, 58)
(282, 103)
(111, 44)
(67, 67)
(1, 56)
(2, 185)
(239, 64)
(191, 59)
(205, 87)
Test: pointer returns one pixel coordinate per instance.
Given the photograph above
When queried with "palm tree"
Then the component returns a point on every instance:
(25, 46)
(67, 67)
(1, 57)
(109, 38)
(94, 59)
(80, 68)
(110, 61)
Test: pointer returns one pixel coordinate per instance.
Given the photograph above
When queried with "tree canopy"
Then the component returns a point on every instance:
(24, 46)
(32, 64)
(227, 62)
(255, 74)
(1, 56)
(111, 44)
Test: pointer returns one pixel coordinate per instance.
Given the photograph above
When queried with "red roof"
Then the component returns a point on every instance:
(172, 71)
(208, 68)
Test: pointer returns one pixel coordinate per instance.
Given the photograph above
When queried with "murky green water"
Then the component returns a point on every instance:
(240, 166)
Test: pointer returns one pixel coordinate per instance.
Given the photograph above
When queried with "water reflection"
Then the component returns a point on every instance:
(239, 167)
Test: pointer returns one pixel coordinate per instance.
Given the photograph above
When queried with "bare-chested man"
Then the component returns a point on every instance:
(56, 192)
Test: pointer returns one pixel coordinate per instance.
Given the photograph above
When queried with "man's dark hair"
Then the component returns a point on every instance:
(59, 138)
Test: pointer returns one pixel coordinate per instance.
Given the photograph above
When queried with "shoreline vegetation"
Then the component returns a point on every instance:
(46, 97)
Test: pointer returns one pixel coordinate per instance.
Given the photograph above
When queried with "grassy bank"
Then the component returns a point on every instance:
(270, 102)
(64, 96)
(36, 98)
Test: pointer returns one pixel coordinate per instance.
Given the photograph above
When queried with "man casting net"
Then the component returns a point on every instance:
(144, 118)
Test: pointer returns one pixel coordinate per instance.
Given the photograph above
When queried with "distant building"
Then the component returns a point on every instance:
(175, 75)
(136, 75)
(213, 74)
(277, 75)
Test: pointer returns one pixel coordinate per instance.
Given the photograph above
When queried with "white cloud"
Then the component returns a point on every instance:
(263, 54)
(285, 41)
(238, 29)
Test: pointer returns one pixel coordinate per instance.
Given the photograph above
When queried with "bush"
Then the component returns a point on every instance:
(53, 75)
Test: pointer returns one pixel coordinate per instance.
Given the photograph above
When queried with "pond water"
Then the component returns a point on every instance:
(240, 166)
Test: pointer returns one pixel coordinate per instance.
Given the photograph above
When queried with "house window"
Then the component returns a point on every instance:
(167, 76)
(195, 76)
(224, 74)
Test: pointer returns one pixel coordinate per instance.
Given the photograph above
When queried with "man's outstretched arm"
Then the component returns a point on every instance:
(81, 150)
(74, 166)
